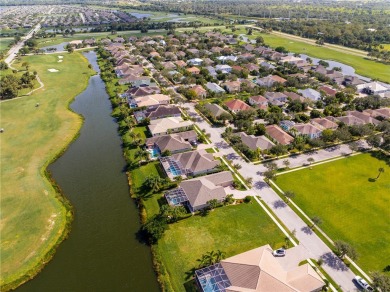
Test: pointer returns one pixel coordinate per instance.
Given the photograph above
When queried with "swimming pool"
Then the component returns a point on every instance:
(174, 170)
(154, 153)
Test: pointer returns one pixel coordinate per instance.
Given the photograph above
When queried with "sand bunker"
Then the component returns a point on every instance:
(59, 61)
(52, 70)
(60, 57)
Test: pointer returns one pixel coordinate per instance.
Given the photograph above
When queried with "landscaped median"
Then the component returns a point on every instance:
(350, 200)
(36, 218)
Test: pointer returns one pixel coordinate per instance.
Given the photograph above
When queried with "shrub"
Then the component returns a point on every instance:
(247, 199)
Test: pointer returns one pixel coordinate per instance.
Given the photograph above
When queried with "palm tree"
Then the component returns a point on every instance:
(141, 153)
(154, 182)
(286, 163)
(316, 221)
(219, 255)
(289, 195)
(381, 169)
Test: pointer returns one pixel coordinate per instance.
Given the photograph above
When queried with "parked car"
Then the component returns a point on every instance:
(281, 252)
(363, 284)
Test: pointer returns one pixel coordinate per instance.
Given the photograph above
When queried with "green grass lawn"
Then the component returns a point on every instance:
(231, 229)
(353, 208)
(45, 42)
(4, 43)
(32, 218)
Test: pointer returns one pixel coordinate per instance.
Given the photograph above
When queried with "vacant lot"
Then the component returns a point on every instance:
(354, 208)
(32, 218)
(231, 229)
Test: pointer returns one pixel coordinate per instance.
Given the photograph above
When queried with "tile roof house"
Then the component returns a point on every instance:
(162, 111)
(236, 105)
(350, 120)
(136, 80)
(232, 86)
(380, 112)
(194, 70)
(257, 270)
(328, 91)
(259, 101)
(276, 98)
(172, 124)
(213, 87)
(310, 94)
(254, 142)
(191, 163)
(366, 117)
(270, 80)
(324, 123)
(195, 62)
(142, 91)
(278, 135)
(150, 101)
(307, 130)
(372, 88)
(226, 69)
(177, 142)
(200, 91)
(215, 109)
(181, 63)
(198, 191)
(294, 96)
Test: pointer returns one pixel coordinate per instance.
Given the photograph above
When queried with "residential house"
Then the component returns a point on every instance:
(149, 101)
(168, 65)
(200, 91)
(327, 90)
(197, 192)
(254, 143)
(286, 125)
(227, 58)
(169, 125)
(294, 96)
(372, 88)
(383, 113)
(213, 87)
(278, 135)
(136, 80)
(191, 163)
(232, 86)
(215, 109)
(352, 81)
(258, 101)
(258, 270)
(366, 117)
(180, 63)
(141, 91)
(308, 130)
(226, 69)
(194, 70)
(270, 80)
(310, 94)
(324, 123)
(236, 105)
(195, 62)
(276, 98)
(350, 120)
(174, 143)
(161, 111)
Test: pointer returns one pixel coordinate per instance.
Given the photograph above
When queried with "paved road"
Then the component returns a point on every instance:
(310, 241)
(15, 49)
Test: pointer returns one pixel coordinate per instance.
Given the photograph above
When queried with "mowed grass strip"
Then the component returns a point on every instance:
(231, 229)
(353, 207)
(32, 218)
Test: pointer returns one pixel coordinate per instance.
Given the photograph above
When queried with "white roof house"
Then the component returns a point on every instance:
(166, 125)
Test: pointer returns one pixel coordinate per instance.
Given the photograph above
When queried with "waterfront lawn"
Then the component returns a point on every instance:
(353, 207)
(33, 219)
(231, 229)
